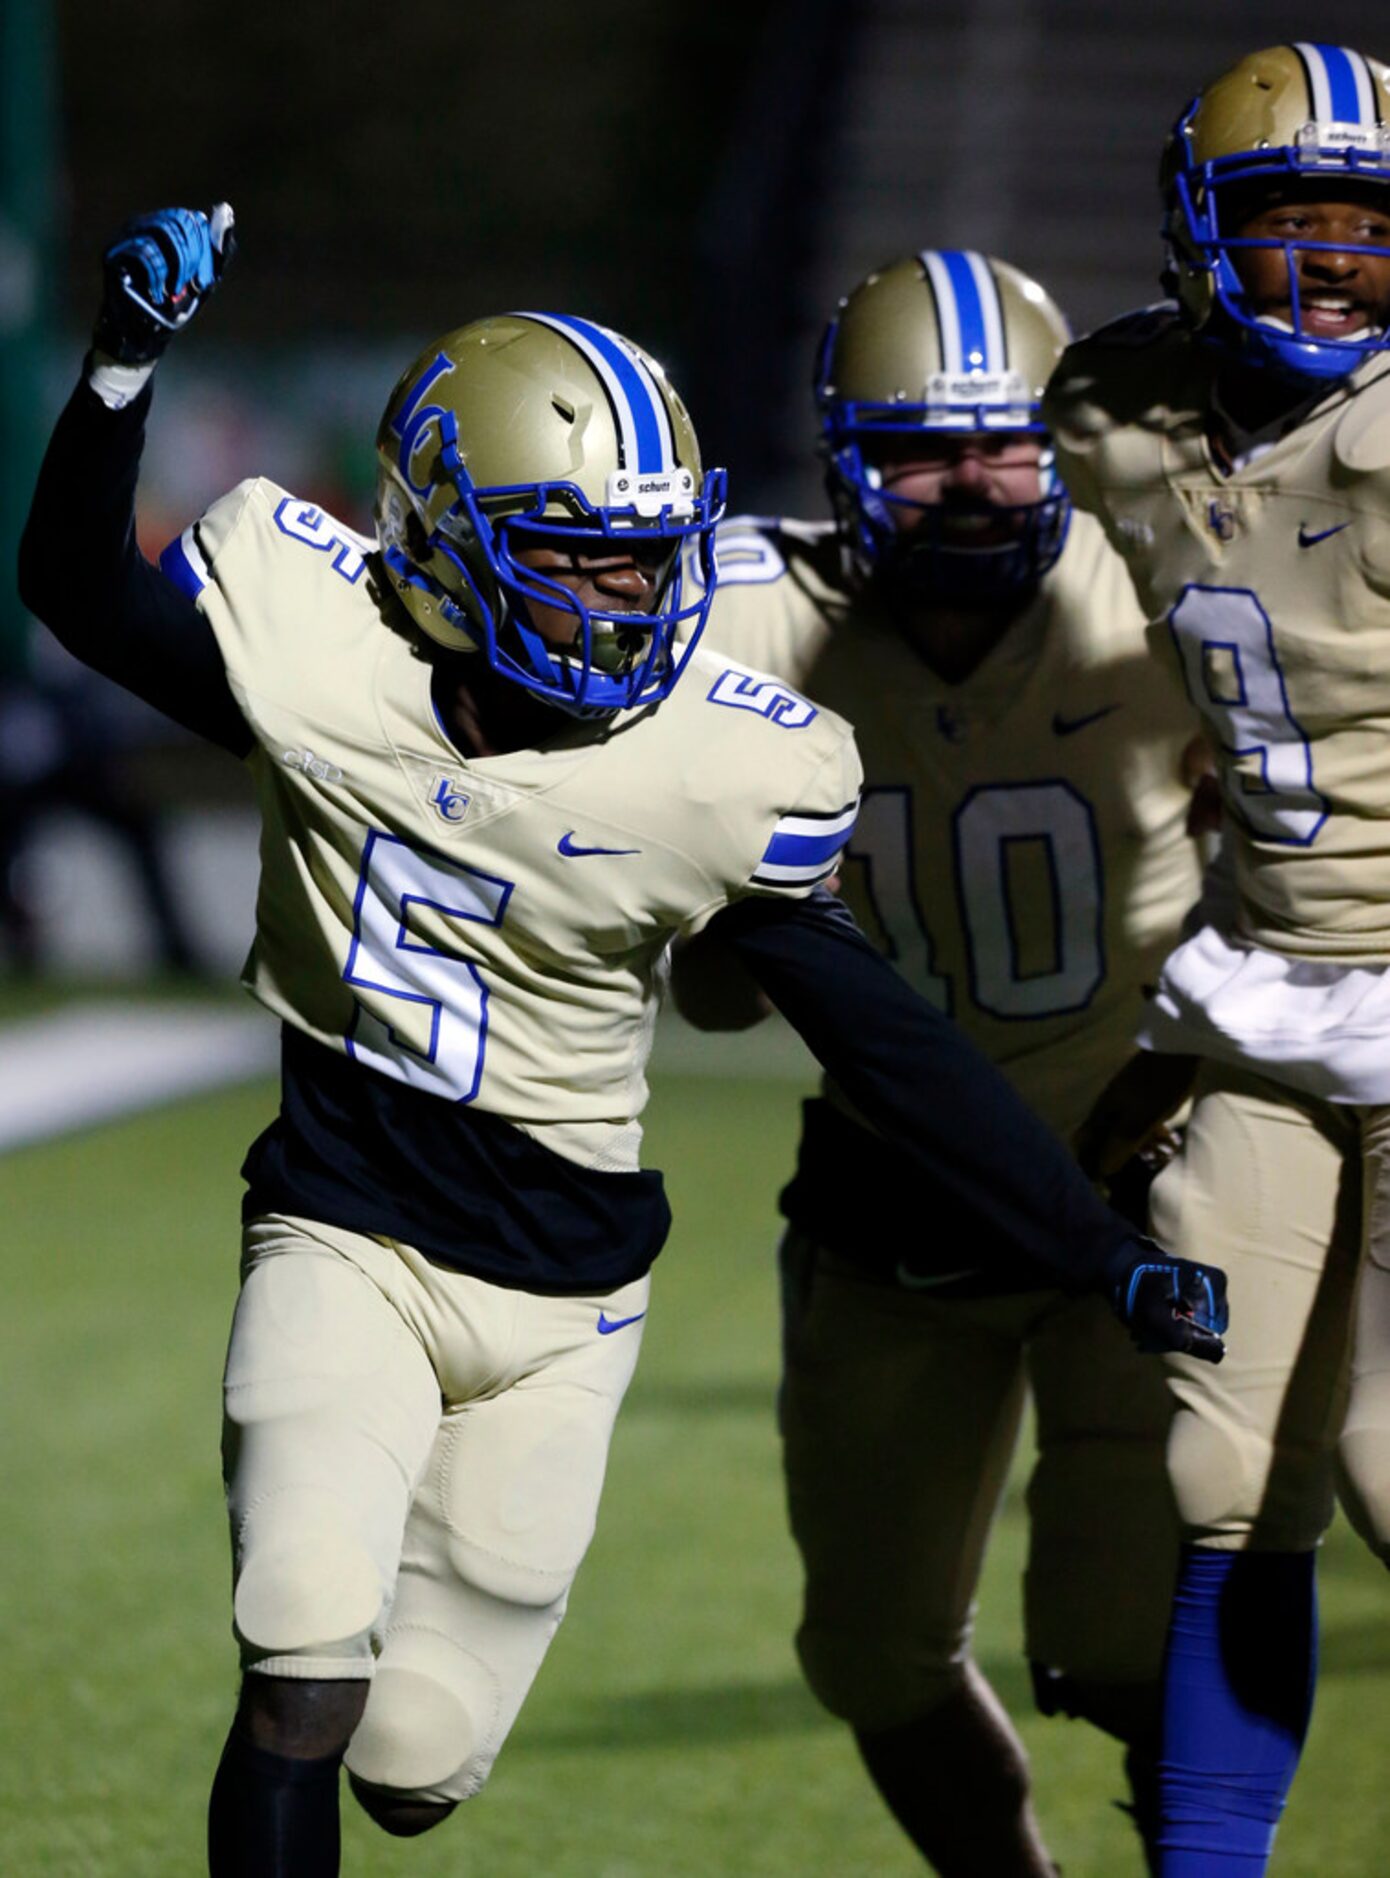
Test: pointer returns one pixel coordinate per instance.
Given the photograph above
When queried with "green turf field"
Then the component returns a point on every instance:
(668, 1735)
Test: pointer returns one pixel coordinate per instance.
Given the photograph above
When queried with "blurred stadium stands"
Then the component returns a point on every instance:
(709, 183)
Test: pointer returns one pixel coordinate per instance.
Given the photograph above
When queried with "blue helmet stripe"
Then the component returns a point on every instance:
(969, 316)
(991, 311)
(1340, 84)
(970, 312)
(644, 429)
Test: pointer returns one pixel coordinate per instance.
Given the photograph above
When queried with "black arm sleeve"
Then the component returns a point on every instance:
(81, 572)
(925, 1086)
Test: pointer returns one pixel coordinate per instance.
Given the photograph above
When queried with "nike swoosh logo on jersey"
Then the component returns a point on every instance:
(928, 1281)
(1305, 540)
(1068, 726)
(607, 1325)
(567, 846)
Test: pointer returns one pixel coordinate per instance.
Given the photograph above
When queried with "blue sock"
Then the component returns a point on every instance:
(1238, 1689)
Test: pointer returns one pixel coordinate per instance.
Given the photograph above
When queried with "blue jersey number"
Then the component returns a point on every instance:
(389, 960)
(1226, 642)
(1004, 833)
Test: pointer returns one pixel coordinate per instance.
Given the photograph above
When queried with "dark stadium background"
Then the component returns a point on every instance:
(708, 179)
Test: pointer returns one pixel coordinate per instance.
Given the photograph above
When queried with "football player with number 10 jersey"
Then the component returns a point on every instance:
(493, 788)
(1236, 446)
(1022, 856)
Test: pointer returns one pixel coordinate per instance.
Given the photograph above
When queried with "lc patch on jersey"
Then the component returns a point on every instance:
(449, 799)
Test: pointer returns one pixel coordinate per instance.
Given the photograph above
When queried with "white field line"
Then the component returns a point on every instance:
(89, 1063)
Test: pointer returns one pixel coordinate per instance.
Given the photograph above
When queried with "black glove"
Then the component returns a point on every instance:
(157, 273)
(1169, 1304)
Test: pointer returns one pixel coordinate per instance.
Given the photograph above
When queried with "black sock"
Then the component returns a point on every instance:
(271, 1816)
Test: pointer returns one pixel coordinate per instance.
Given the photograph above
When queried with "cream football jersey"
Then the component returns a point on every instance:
(1269, 589)
(1021, 851)
(491, 930)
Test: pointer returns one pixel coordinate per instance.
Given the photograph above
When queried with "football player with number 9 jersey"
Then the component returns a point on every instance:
(1236, 446)
(494, 785)
(1022, 856)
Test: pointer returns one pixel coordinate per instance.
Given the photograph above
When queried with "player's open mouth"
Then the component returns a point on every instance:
(1324, 316)
(1334, 314)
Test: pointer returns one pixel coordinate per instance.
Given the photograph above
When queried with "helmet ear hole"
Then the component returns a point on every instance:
(417, 542)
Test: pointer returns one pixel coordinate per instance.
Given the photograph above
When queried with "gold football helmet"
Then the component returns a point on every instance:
(536, 429)
(1304, 119)
(945, 340)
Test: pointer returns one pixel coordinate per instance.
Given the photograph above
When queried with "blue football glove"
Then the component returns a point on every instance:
(157, 273)
(1170, 1304)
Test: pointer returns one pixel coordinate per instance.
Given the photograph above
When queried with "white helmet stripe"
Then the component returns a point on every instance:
(646, 441)
(1340, 86)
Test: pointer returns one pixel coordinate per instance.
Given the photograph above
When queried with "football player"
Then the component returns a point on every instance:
(1236, 446)
(1022, 855)
(487, 808)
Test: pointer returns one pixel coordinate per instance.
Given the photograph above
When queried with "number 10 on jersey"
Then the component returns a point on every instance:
(1027, 956)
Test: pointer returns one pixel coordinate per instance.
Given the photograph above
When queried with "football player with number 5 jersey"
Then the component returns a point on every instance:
(493, 786)
(1236, 447)
(1022, 856)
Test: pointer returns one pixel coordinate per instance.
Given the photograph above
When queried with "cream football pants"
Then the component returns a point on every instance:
(900, 1414)
(413, 1460)
(1292, 1197)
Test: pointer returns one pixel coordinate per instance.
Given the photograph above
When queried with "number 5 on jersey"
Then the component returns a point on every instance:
(389, 961)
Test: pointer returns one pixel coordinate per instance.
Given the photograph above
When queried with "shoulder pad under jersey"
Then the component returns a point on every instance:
(756, 550)
(1156, 380)
(1361, 441)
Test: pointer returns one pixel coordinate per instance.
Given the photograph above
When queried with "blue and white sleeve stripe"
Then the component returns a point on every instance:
(183, 562)
(805, 848)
